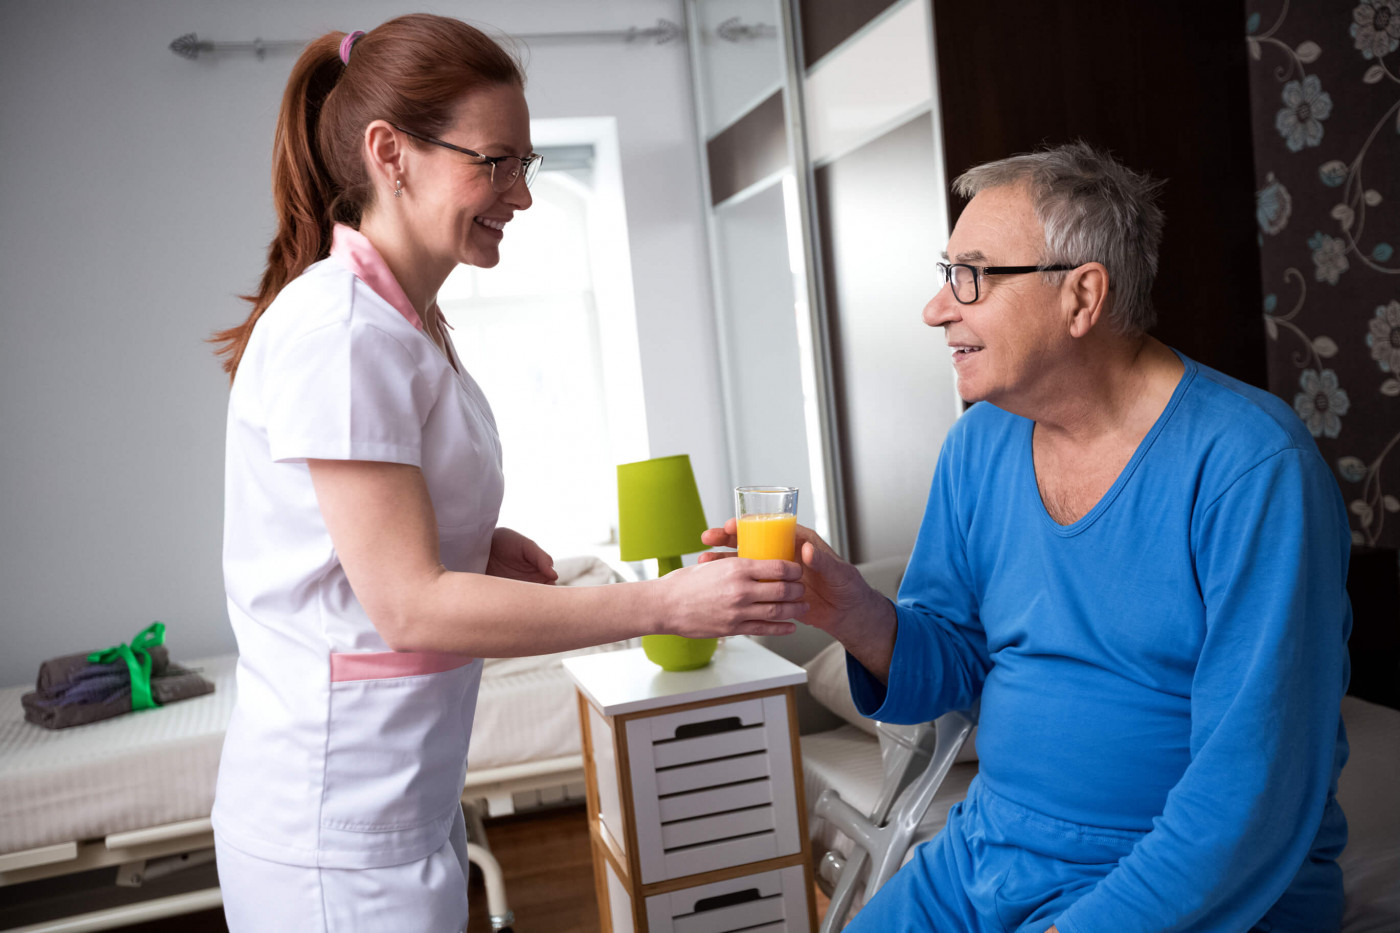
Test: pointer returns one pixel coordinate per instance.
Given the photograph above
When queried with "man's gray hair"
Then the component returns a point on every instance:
(1093, 209)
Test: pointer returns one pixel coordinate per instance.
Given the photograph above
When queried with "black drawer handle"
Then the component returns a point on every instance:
(693, 730)
(727, 900)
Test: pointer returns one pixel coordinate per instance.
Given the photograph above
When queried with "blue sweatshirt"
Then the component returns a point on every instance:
(1173, 662)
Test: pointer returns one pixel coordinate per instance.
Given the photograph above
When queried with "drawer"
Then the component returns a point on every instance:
(769, 902)
(712, 787)
(707, 733)
(715, 800)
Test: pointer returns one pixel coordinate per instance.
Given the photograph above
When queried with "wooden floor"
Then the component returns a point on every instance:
(548, 871)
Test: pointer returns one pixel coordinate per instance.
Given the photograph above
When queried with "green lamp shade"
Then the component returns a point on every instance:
(659, 515)
(658, 509)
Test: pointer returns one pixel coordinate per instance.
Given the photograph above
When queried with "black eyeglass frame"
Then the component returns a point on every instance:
(978, 271)
(529, 166)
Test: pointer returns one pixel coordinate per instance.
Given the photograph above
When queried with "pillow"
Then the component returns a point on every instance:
(829, 686)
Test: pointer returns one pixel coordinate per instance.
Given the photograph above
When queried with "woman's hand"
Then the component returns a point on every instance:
(839, 600)
(516, 557)
(732, 597)
(836, 593)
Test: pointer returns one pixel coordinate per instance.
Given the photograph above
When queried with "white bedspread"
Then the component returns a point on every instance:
(526, 711)
(1369, 792)
(159, 766)
(142, 769)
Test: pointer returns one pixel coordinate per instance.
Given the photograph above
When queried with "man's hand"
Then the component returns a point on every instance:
(516, 557)
(835, 590)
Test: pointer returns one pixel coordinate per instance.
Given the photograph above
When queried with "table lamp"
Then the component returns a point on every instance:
(659, 515)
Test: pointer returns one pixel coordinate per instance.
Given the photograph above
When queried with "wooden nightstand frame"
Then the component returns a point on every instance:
(626, 864)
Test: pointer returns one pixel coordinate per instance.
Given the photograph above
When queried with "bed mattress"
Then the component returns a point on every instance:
(142, 769)
(159, 766)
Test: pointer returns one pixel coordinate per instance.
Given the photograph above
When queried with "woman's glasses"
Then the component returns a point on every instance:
(505, 170)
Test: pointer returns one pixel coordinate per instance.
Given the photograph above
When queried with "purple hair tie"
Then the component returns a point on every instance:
(347, 43)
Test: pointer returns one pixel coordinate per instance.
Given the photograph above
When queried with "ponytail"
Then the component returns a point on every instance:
(302, 190)
(411, 71)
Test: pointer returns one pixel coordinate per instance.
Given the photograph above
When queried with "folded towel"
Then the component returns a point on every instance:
(56, 672)
(172, 684)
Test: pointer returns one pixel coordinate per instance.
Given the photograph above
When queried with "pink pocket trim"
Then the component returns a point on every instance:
(381, 665)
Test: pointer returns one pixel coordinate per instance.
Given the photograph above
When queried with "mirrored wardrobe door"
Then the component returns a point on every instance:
(874, 141)
(771, 350)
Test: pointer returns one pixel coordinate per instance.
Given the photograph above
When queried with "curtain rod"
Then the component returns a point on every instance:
(191, 46)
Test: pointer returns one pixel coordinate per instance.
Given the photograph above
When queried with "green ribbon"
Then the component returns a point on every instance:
(138, 662)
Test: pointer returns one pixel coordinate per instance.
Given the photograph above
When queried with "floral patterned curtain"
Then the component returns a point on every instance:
(1325, 88)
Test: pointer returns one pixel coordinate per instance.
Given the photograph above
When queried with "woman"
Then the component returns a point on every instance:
(363, 565)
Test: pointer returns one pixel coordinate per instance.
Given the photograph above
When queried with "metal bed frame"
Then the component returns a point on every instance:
(144, 855)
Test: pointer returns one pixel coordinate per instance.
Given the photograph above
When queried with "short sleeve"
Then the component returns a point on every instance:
(345, 391)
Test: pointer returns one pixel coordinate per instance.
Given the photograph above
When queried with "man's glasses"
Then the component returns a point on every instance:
(966, 279)
(505, 170)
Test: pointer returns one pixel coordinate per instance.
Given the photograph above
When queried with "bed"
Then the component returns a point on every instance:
(129, 795)
(127, 800)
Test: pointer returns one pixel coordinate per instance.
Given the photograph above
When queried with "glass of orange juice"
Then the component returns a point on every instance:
(767, 521)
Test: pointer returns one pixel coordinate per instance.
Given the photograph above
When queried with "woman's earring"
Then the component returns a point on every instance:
(398, 188)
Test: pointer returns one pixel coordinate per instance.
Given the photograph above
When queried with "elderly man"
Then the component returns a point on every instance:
(1138, 564)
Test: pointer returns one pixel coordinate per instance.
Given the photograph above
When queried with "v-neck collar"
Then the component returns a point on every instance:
(1188, 376)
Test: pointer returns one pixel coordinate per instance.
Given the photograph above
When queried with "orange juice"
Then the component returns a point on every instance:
(768, 537)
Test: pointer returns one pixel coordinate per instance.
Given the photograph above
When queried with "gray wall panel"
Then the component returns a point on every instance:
(895, 398)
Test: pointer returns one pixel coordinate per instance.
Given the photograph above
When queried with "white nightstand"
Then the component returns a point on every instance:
(695, 804)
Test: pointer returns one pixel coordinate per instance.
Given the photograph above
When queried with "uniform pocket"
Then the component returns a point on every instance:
(396, 747)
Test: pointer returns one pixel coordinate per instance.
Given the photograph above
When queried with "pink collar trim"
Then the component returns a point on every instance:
(354, 249)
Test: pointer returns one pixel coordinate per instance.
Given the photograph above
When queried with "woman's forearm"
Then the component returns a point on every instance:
(381, 523)
(492, 617)
(488, 616)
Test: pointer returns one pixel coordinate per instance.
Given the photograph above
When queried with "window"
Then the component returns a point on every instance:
(531, 332)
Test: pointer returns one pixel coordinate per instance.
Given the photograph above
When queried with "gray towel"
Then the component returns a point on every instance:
(56, 672)
(173, 684)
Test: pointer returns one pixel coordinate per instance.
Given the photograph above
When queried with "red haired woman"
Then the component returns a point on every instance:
(364, 568)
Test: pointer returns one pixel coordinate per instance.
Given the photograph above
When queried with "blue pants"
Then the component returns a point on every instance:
(996, 868)
(1000, 868)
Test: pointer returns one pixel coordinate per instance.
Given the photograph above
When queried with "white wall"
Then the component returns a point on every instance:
(135, 206)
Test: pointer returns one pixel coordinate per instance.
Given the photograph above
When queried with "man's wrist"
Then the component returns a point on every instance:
(869, 635)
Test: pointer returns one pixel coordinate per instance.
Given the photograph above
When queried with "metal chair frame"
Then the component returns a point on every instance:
(917, 759)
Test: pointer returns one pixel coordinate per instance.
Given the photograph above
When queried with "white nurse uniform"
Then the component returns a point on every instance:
(344, 760)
